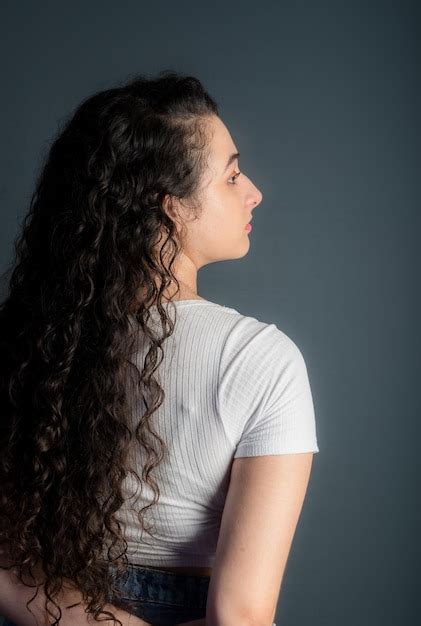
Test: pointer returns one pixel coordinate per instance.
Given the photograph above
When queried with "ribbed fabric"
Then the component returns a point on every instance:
(234, 386)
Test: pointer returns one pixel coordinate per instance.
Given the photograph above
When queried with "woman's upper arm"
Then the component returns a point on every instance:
(261, 512)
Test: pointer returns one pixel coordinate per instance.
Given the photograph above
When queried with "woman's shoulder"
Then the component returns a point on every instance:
(233, 330)
(252, 338)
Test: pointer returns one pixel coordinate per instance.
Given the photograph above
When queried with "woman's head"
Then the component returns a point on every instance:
(132, 185)
(215, 228)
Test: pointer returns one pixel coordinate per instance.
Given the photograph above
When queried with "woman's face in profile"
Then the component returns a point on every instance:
(227, 201)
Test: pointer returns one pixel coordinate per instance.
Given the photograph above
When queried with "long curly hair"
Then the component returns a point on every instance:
(85, 274)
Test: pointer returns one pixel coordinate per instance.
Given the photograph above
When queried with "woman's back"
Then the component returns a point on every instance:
(234, 387)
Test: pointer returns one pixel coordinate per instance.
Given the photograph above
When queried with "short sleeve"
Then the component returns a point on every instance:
(266, 395)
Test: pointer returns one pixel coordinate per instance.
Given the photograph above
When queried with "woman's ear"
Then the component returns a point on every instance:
(174, 209)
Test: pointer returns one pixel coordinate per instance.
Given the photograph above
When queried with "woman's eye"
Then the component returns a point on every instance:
(236, 175)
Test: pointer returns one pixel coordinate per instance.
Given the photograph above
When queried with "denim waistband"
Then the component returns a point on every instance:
(172, 588)
(160, 597)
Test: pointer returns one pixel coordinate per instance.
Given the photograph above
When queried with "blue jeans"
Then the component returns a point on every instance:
(161, 598)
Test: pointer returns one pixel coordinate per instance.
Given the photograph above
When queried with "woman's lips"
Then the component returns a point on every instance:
(248, 227)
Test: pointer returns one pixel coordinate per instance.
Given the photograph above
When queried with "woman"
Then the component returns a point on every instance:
(132, 405)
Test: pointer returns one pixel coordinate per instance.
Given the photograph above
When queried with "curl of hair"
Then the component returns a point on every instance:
(83, 279)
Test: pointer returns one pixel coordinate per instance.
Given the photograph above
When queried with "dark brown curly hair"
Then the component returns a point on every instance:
(81, 285)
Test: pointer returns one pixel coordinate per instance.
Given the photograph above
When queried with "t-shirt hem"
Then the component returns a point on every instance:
(188, 560)
(271, 448)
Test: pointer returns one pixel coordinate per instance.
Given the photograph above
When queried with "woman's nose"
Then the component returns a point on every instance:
(257, 197)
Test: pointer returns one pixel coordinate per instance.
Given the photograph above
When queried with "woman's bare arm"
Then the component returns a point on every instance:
(261, 512)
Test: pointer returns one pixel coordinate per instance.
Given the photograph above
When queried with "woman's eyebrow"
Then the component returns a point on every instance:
(232, 158)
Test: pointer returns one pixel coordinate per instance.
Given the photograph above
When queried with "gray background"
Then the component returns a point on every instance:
(321, 99)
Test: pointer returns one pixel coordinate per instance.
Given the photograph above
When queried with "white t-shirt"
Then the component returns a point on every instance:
(234, 386)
